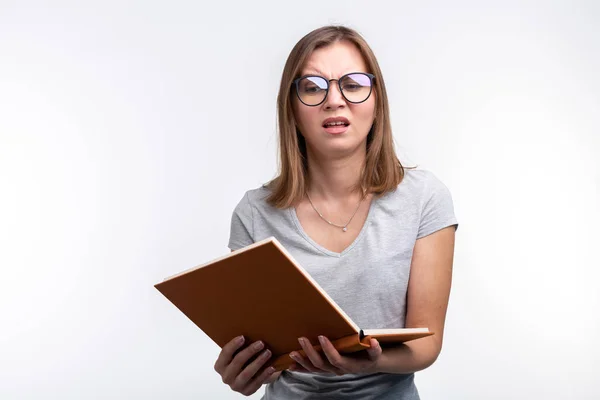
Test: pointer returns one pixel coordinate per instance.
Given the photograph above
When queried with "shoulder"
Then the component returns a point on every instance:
(419, 184)
(433, 199)
(253, 198)
(420, 178)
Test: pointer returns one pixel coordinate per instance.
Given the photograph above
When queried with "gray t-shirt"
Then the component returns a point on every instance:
(368, 279)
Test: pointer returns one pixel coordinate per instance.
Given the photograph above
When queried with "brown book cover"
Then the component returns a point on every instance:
(261, 292)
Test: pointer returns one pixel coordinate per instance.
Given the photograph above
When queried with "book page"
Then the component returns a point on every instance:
(394, 331)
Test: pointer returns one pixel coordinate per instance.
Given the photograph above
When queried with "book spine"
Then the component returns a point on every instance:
(348, 344)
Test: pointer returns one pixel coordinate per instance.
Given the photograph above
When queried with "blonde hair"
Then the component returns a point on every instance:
(382, 171)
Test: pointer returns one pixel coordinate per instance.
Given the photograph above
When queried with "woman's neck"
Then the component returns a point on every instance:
(335, 180)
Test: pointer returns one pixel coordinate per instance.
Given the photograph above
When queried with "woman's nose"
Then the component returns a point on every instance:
(334, 98)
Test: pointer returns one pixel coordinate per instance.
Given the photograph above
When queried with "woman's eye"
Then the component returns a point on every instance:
(352, 87)
(312, 89)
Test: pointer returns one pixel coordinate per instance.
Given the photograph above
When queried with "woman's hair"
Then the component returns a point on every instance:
(382, 171)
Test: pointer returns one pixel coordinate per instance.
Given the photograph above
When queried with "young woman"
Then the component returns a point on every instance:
(378, 237)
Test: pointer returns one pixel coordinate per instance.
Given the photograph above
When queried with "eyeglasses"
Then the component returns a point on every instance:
(312, 90)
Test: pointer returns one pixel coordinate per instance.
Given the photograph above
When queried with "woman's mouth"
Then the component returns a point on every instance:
(336, 126)
(335, 129)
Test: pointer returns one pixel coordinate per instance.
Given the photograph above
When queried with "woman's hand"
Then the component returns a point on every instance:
(334, 362)
(242, 378)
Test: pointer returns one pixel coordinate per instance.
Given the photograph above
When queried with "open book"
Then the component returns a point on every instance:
(261, 292)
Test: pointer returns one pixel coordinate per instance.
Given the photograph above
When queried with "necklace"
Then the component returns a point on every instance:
(344, 227)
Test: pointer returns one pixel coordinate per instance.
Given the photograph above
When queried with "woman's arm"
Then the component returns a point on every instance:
(427, 302)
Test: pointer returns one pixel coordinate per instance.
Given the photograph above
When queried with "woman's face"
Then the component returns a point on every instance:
(332, 62)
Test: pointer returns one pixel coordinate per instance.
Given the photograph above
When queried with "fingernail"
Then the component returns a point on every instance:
(301, 341)
(266, 354)
(241, 339)
(270, 370)
(294, 356)
(258, 345)
(322, 339)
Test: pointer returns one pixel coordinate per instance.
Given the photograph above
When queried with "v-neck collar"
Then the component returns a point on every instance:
(363, 230)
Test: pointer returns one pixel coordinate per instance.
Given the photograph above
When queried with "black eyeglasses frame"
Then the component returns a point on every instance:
(297, 80)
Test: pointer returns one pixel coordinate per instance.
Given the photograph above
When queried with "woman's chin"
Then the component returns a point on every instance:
(339, 148)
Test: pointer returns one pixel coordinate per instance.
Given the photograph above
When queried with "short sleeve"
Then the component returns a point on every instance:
(437, 207)
(241, 231)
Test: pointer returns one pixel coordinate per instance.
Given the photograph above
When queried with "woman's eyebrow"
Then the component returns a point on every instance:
(315, 71)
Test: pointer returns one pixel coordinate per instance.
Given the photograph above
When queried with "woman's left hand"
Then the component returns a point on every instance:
(334, 362)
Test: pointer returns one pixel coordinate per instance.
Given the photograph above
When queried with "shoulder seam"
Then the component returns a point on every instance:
(251, 212)
(423, 200)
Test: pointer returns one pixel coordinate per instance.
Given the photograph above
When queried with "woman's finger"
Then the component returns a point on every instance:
(315, 358)
(239, 362)
(248, 373)
(258, 381)
(298, 368)
(226, 354)
(303, 362)
(333, 356)
(375, 350)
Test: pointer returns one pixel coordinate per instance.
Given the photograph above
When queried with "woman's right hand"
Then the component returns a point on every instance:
(237, 373)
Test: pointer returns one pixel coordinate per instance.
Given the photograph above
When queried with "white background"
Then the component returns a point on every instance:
(130, 130)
